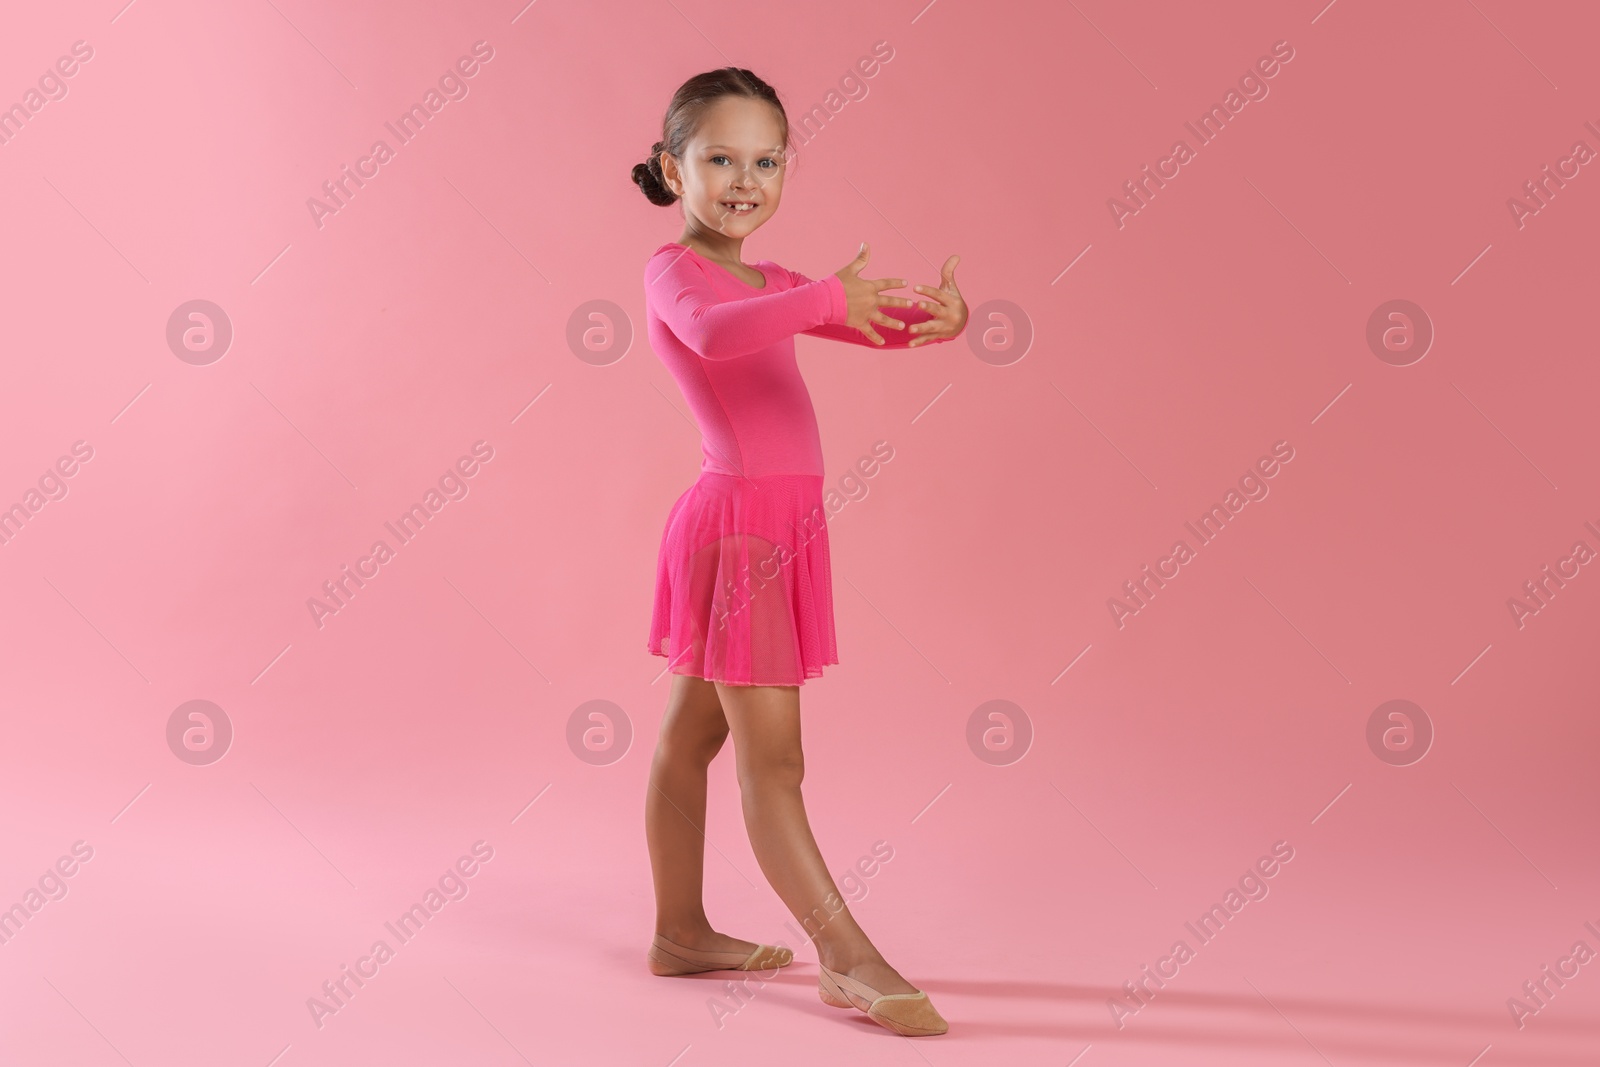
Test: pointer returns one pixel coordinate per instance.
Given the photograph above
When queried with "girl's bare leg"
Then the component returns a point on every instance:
(692, 733)
(765, 722)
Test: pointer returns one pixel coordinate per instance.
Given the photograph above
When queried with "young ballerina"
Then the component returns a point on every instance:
(743, 602)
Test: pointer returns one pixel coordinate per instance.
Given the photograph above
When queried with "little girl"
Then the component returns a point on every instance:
(743, 601)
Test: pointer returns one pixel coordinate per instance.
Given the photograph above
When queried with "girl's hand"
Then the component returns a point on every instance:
(949, 311)
(863, 297)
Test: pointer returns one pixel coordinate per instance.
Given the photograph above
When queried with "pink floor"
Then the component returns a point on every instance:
(1021, 898)
(185, 891)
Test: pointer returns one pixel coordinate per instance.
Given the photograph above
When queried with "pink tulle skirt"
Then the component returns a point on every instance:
(744, 593)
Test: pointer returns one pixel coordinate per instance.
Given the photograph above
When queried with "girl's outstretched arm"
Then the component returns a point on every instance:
(835, 329)
(713, 328)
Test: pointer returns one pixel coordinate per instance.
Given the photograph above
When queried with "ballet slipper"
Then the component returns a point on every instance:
(907, 1014)
(667, 958)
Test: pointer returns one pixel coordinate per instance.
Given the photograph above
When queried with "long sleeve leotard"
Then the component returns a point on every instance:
(730, 346)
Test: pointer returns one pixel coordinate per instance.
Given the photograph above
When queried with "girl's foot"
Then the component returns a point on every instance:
(708, 941)
(707, 950)
(909, 1014)
(874, 972)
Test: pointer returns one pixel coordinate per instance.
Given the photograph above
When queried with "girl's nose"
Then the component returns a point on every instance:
(744, 179)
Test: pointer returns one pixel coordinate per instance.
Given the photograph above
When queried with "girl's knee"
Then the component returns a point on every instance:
(693, 731)
(783, 769)
(696, 750)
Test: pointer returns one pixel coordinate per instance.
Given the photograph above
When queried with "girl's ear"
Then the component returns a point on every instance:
(669, 173)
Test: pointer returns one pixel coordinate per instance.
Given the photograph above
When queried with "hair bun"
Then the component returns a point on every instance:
(647, 176)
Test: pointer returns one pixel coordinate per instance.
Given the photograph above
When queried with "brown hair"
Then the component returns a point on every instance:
(689, 103)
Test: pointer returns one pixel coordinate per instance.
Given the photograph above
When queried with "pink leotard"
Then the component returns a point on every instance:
(730, 346)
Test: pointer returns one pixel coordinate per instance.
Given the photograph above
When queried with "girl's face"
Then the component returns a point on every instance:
(735, 157)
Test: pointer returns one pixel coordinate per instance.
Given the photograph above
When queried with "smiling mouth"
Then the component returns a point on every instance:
(739, 207)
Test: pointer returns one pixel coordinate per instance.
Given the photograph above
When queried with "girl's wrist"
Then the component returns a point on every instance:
(838, 305)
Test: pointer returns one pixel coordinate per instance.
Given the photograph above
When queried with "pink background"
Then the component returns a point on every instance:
(433, 309)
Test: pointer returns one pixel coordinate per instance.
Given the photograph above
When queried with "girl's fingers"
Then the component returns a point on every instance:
(887, 320)
(895, 302)
(940, 295)
(947, 276)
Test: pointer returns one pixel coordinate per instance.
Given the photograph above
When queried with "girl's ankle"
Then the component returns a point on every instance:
(684, 934)
(843, 959)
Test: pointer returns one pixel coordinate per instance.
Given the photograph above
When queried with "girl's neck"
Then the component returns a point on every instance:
(714, 246)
